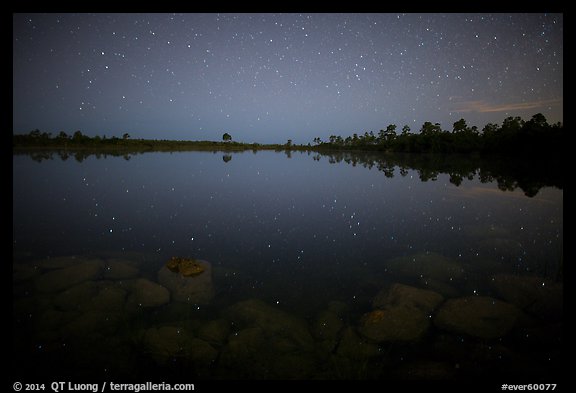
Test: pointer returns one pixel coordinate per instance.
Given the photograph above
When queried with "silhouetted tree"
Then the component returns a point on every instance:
(77, 136)
(125, 136)
(460, 126)
(512, 124)
(226, 137)
(428, 128)
(390, 133)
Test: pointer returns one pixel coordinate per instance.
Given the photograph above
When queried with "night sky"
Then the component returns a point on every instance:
(271, 77)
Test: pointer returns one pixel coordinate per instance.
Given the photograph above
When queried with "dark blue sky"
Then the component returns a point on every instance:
(272, 77)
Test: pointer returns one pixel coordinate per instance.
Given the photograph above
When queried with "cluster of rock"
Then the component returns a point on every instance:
(74, 296)
(252, 339)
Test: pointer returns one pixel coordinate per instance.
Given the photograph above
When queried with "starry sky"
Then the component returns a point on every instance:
(271, 77)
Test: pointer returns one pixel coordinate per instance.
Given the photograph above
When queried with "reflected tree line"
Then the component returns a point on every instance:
(508, 173)
(78, 155)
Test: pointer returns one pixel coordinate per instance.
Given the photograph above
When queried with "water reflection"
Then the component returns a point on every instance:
(314, 267)
(508, 174)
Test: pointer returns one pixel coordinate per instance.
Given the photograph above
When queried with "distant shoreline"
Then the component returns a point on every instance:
(145, 145)
(515, 137)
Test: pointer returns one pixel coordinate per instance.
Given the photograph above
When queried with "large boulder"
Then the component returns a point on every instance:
(273, 321)
(252, 353)
(76, 298)
(168, 342)
(110, 298)
(92, 295)
(478, 316)
(326, 328)
(355, 347)
(145, 293)
(396, 323)
(215, 331)
(246, 355)
(194, 289)
(404, 295)
(118, 269)
(443, 288)
(60, 279)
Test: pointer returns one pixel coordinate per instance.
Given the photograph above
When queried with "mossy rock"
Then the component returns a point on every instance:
(188, 267)
(396, 323)
(477, 316)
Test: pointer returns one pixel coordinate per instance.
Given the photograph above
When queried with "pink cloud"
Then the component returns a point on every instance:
(484, 107)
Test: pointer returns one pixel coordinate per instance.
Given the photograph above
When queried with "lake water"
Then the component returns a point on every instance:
(315, 267)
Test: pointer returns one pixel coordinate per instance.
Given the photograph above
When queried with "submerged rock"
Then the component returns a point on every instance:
(252, 353)
(536, 295)
(268, 343)
(246, 354)
(91, 295)
(352, 346)
(441, 287)
(477, 316)
(395, 323)
(404, 295)
(273, 321)
(76, 298)
(215, 331)
(110, 298)
(326, 328)
(117, 269)
(168, 342)
(188, 267)
(201, 353)
(145, 293)
(190, 289)
(60, 279)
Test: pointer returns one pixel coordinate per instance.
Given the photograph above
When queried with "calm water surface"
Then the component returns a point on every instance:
(314, 269)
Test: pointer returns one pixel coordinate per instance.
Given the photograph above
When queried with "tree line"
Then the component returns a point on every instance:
(514, 136)
(79, 141)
